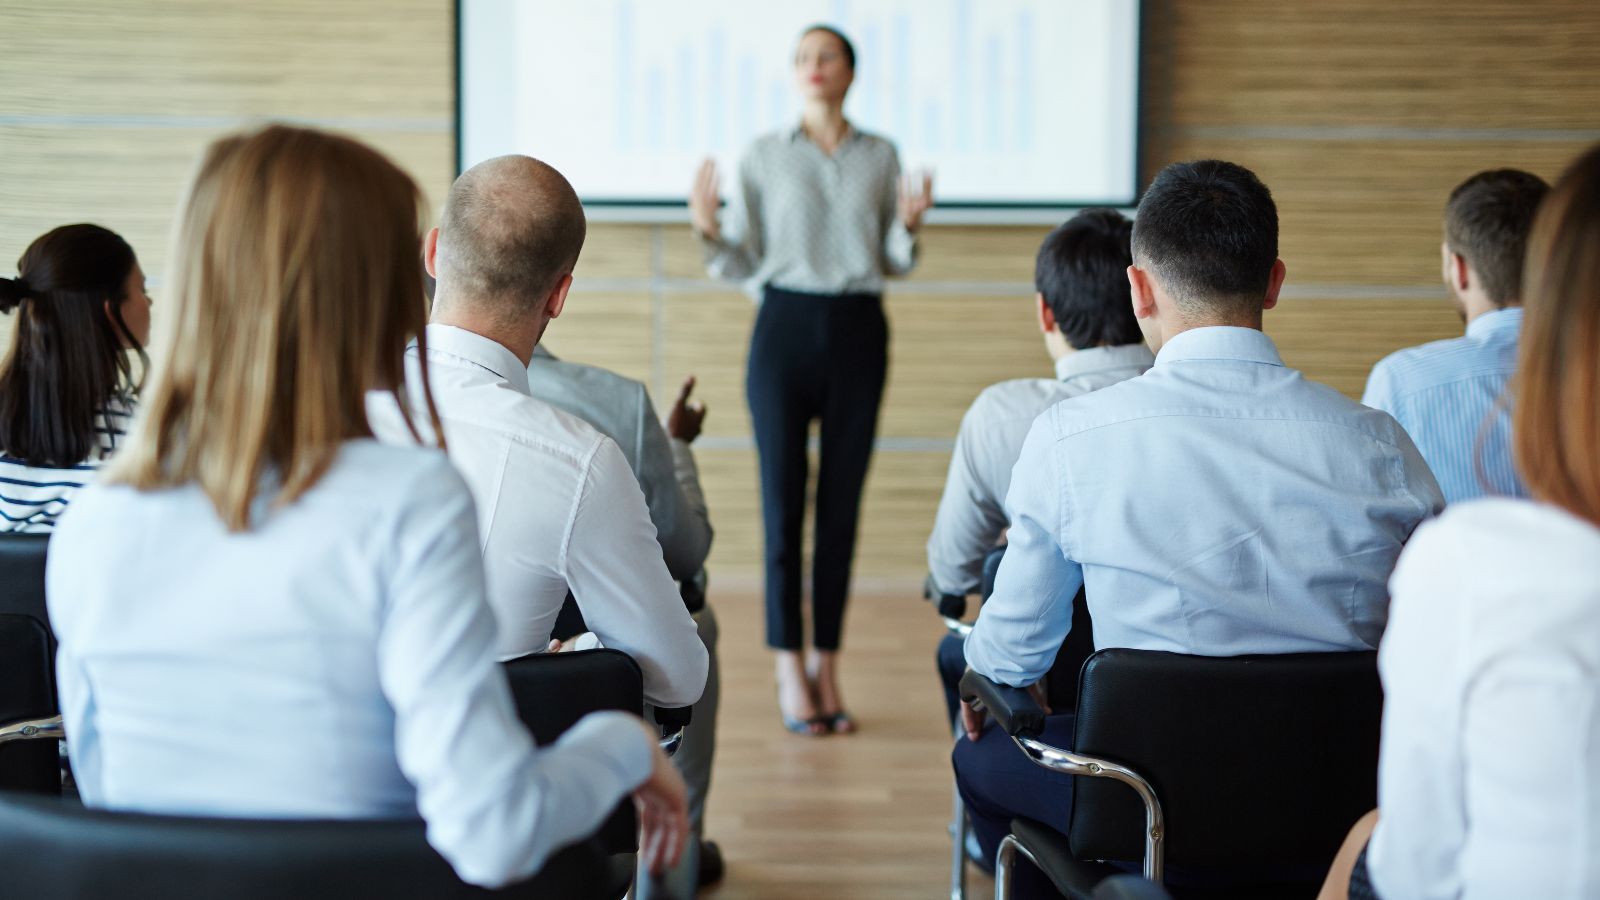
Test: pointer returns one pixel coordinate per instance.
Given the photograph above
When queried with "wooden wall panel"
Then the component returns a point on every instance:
(1336, 341)
(603, 329)
(1470, 64)
(1369, 212)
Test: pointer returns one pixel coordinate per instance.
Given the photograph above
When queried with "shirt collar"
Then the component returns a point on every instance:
(457, 346)
(798, 133)
(1100, 359)
(1226, 342)
(1495, 322)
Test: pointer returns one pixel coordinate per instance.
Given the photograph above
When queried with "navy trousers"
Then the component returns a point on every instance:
(998, 783)
(813, 357)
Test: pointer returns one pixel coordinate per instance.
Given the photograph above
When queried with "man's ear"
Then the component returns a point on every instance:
(1274, 284)
(1143, 293)
(430, 252)
(1047, 319)
(1459, 272)
(558, 296)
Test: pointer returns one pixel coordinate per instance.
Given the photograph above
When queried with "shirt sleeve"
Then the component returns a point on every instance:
(736, 253)
(1024, 622)
(899, 244)
(614, 566)
(970, 518)
(671, 484)
(495, 806)
(1422, 816)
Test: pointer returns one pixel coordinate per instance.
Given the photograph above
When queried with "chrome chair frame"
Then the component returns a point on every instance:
(1057, 760)
(32, 730)
(951, 608)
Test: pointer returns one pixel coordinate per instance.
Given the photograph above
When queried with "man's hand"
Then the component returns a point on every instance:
(974, 720)
(662, 803)
(685, 418)
(705, 198)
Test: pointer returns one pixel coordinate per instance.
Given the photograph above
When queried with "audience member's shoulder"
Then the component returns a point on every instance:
(585, 379)
(392, 472)
(1507, 528)
(1410, 363)
(1016, 398)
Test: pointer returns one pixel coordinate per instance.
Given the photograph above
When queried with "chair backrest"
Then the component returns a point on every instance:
(54, 849)
(552, 691)
(27, 663)
(1258, 761)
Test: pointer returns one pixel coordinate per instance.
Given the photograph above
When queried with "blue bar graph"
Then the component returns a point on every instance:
(1025, 76)
(625, 80)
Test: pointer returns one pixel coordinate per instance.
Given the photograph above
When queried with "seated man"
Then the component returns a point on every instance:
(661, 460)
(1081, 279)
(1220, 504)
(558, 508)
(1447, 394)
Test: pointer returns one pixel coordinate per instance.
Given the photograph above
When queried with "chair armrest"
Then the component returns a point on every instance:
(950, 606)
(1013, 708)
(672, 720)
(32, 730)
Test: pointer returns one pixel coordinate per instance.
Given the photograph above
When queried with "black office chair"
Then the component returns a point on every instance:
(55, 849)
(1242, 768)
(1061, 685)
(28, 704)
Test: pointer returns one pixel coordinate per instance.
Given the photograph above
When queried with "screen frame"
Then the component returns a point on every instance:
(655, 210)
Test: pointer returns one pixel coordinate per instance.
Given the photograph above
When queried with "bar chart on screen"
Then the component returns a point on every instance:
(1010, 101)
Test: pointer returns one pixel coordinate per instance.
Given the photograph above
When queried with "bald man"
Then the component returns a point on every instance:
(559, 508)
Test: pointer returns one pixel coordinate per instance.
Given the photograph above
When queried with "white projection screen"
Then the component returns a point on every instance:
(1019, 108)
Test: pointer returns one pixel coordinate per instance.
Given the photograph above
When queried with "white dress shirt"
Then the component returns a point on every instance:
(558, 509)
(1219, 504)
(971, 511)
(664, 466)
(334, 661)
(1489, 776)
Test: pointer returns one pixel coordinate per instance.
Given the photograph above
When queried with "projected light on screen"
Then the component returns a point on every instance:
(1011, 102)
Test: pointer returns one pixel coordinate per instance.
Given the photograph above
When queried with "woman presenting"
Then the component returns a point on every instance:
(821, 218)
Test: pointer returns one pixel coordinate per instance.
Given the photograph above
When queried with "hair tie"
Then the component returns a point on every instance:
(23, 289)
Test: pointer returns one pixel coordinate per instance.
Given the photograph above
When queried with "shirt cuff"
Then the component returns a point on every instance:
(901, 245)
(616, 741)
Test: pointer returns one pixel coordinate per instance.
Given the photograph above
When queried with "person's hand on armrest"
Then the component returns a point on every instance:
(974, 720)
(662, 802)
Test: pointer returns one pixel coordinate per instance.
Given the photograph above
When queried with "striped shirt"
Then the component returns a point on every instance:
(33, 497)
(802, 220)
(1446, 395)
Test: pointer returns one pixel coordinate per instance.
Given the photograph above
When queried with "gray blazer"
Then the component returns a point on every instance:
(620, 409)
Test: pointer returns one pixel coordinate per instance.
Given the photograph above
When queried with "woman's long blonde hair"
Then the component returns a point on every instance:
(1556, 423)
(295, 286)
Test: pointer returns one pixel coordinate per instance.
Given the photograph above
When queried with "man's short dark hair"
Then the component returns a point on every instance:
(1487, 221)
(1082, 271)
(513, 227)
(1208, 230)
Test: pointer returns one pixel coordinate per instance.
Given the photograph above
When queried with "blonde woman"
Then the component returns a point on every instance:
(1491, 746)
(263, 612)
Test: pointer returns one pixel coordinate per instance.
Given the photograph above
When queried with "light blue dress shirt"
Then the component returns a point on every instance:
(335, 661)
(1446, 395)
(1220, 504)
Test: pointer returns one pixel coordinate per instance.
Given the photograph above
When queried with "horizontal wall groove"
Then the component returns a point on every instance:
(419, 125)
(1392, 133)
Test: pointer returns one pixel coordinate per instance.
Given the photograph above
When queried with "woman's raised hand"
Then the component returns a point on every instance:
(916, 198)
(705, 198)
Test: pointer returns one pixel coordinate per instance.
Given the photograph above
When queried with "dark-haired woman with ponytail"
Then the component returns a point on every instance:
(67, 384)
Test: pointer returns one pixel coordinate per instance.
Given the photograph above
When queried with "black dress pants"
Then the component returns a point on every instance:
(813, 356)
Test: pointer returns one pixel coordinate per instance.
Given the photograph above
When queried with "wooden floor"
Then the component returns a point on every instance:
(860, 816)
